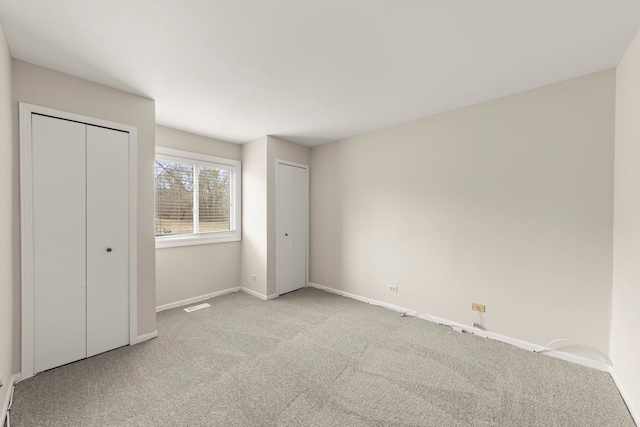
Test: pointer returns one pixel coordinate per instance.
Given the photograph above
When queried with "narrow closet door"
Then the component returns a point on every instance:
(284, 229)
(59, 257)
(291, 216)
(299, 226)
(107, 239)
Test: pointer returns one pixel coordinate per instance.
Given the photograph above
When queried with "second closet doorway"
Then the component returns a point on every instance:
(292, 217)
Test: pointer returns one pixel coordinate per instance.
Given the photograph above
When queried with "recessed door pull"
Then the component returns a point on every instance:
(108, 249)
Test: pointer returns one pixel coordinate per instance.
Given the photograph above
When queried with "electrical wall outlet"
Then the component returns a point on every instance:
(477, 307)
(393, 288)
(253, 277)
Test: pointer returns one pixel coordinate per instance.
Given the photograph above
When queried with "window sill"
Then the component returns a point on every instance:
(197, 239)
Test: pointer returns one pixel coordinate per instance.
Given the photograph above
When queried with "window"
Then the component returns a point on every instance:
(197, 199)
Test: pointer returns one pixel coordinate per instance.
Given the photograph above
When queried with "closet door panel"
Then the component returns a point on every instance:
(285, 232)
(300, 204)
(107, 239)
(59, 256)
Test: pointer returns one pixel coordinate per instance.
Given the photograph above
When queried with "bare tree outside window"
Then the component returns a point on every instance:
(191, 198)
(214, 201)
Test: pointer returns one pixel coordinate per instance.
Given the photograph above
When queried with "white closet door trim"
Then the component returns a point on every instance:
(26, 217)
(305, 167)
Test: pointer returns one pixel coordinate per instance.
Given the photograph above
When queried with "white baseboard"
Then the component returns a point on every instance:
(584, 361)
(5, 406)
(254, 293)
(635, 413)
(147, 337)
(258, 294)
(196, 299)
(272, 296)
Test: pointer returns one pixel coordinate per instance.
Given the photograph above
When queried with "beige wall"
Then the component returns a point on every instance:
(625, 343)
(41, 86)
(180, 140)
(192, 271)
(281, 150)
(507, 203)
(254, 215)
(6, 221)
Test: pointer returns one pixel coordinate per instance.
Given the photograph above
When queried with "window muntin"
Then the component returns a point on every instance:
(197, 198)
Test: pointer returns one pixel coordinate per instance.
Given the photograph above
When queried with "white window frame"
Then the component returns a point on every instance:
(196, 238)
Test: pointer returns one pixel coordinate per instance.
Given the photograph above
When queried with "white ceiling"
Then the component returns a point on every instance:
(317, 71)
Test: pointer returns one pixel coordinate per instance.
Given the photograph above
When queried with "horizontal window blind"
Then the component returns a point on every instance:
(193, 197)
(214, 199)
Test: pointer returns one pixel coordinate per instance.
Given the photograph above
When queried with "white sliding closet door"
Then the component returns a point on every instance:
(292, 201)
(107, 239)
(59, 255)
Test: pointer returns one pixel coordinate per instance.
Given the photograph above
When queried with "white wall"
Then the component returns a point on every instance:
(625, 342)
(507, 203)
(41, 86)
(7, 258)
(282, 150)
(192, 271)
(254, 215)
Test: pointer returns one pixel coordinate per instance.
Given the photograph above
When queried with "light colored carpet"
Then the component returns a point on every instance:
(311, 358)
